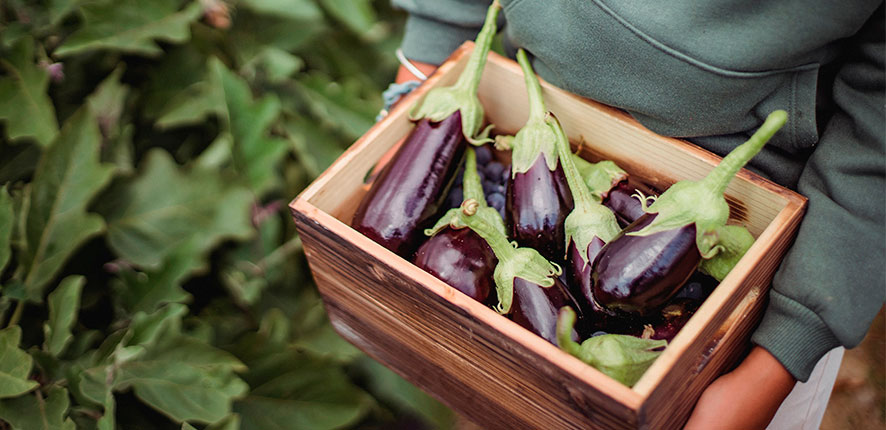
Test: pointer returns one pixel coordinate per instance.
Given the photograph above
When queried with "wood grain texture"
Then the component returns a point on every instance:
(483, 365)
(466, 355)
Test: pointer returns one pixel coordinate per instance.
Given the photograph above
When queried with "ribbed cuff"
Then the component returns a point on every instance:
(794, 335)
(431, 42)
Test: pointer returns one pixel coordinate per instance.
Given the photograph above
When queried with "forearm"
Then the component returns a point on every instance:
(746, 398)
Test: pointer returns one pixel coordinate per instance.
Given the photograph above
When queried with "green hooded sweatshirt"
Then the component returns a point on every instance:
(710, 72)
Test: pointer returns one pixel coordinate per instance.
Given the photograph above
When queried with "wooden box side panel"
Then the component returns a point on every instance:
(474, 366)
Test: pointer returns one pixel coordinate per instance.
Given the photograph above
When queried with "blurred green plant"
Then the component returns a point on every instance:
(150, 275)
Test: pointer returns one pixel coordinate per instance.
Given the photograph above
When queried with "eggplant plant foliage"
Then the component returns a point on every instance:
(150, 275)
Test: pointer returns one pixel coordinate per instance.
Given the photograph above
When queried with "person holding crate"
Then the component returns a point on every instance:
(710, 73)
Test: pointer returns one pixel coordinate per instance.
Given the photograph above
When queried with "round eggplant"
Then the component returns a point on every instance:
(462, 259)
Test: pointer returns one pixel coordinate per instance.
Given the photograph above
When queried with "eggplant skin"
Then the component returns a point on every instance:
(622, 203)
(462, 259)
(673, 317)
(408, 192)
(638, 274)
(536, 308)
(537, 204)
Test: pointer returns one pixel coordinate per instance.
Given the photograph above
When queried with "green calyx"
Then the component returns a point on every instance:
(702, 202)
(513, 261)
(589, 219)
(599, 177)
(536, 138)
(622, 357)
(734, 243)
(440, 103)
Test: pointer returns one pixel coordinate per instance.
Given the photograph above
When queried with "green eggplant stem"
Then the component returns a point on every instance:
(470, 79)
(471, 184)
(720, 177)
(537, 109)
(501, 247)
(581, 195)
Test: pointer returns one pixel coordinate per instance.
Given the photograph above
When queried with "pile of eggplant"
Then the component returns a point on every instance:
(581, 257)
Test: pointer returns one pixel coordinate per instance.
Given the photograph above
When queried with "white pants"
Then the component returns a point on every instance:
(804, 407)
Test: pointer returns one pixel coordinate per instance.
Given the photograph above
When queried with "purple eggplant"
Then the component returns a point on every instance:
(535, 308)
(625, 201)
(638, 271)
(629, 272)
(527, 285)
(671, 319)
(538, 196)
(588, 224)
(405, 197)
(536, 205)
(460, 257)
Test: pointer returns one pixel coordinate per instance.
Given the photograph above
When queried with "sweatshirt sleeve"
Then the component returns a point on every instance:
(832, 282)
(435, 28)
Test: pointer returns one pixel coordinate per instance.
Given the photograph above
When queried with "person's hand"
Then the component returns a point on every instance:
(746, 398)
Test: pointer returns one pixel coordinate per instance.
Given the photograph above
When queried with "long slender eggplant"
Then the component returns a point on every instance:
(536, 308)
(588, 224)
(405, 197)
(638, 271)
(460, 257)
(526, 284)
(538, 197)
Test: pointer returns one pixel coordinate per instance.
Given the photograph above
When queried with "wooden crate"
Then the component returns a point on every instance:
(483, 365)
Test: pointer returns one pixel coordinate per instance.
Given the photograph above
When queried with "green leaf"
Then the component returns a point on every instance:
(231, 422)
(7, 220)
(325, 342)
(185, 379)
(147, 328)
(15, 364)
(130, 26)
(357, 15)
(108, 103)
(255, 155)
(338, 105)
(68, 176)
(305, 10)
(391, 388)
(26, 108)
(253, 33)
(277, 64)
(153, 214)
(63, 305)
(301, 394)
(316, 148)
(37, 413)
(194, 104)
(146, 291)
(18, 160)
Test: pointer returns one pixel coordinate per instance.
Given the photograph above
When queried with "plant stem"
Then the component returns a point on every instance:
(17, 314)
(720, 177)
(470, 79)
